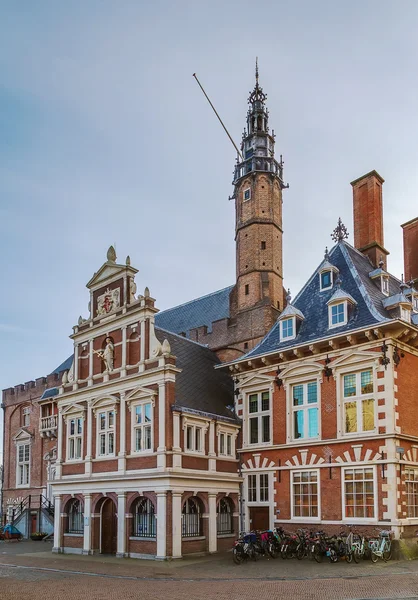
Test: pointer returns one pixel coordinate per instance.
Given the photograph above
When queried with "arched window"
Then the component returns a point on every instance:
(224, 516)
(144, 524)
(75, 517)
(191, 518)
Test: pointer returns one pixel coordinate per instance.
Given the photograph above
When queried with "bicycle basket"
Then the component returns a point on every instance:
(385, 534)
(250, 537)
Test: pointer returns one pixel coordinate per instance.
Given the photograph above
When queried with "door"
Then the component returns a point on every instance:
(259, 517)
(33, 523)
(108, 527)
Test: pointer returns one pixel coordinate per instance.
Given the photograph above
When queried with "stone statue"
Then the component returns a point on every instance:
(132, 289)
(107, 355)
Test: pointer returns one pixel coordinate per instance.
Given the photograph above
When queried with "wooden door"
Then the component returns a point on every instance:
(108, 527)
(259, 517)
(33, 523)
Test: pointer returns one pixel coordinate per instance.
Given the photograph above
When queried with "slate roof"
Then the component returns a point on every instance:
(49, 393)
(199, 386)
(354, 269)
(65, 366)
(202, 311)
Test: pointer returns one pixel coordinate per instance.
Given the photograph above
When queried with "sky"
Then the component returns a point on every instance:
(105, 138)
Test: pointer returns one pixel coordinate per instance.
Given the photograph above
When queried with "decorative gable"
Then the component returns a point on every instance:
(22, 435)
(356, 359)
(256, 381)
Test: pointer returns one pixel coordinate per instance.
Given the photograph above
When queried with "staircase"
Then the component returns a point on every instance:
(32, 505)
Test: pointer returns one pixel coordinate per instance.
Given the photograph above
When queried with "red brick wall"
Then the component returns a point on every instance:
(410, 249)
(407, 382)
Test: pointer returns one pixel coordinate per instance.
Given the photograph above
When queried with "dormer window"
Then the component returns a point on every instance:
(385, 285)
(405, 314)
(326, 280)
(415, 302)
(287, 329)
(338, 314)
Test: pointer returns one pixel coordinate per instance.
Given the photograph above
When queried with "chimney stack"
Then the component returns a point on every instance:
(410, 250)
(368, 217)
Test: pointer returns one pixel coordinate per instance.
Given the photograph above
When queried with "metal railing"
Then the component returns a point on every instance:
(144, 525)
(191, 525)
(224, 523)
(32, 502)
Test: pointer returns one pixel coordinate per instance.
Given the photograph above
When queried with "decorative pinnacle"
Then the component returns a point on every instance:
(326, 255)
(381, 262)
(256, 71)
(111, 254)
(403, 285)
(340, 232)
(288, 296)
(338, 282)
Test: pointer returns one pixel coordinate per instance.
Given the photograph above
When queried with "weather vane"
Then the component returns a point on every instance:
(340, 232)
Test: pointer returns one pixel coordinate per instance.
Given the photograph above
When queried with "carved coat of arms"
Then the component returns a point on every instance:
(108, 301)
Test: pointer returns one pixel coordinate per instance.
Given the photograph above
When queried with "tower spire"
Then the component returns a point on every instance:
(256, 71)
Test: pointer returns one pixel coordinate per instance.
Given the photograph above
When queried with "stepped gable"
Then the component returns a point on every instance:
(354, 269)
(199, 386)
(196, 313)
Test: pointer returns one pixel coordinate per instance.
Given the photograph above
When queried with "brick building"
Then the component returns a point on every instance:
(135, 434)
(328, 399)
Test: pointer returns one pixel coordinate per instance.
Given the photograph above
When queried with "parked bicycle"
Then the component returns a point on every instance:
(382, 547)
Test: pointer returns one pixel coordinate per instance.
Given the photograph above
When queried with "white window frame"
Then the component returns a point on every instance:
(259, 414)
(292, 499)
(304, 407)
(414, 301)
(106, 432)
(260, 498)
(384, 281)
(365, 520)
(405, 314)
(329, 287)
(23, 466)
(142, 426)
(287, 337)
(194, 425)
(332, 325)
(26, 411)
(248, 189)
(411, 488)
(226, 434)
(358, 398)
(74, 437)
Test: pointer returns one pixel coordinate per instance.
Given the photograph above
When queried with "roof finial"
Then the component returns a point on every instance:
(326, 255)
(111, 254)
(256, 71)
(403, 285)
(340, 233)
(381, 262)
(288, 296)
(338, 282)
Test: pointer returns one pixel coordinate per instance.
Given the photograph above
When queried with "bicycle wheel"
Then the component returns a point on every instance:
(272, 550)
(318, 554)
(356, 555)
(387, 554)
(349, 556)
(373, 556)
(237, 556)
(300, 551)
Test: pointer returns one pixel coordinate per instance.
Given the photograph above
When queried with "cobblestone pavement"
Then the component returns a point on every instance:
(29, 570)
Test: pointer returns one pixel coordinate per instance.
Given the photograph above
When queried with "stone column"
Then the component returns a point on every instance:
(161, 525)
(91, 358)
(75, 384)
(57, 525)
(121, 548)
(89, 449)
(142, 345)
(212, 455)
(176, 440)
(58, 463)
(176, 524)
(213, 541)
(161, 457)
(122, 434)
(87, 549)
(123, 366)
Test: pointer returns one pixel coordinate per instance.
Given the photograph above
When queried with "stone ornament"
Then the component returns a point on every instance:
(132, 290)
(108, 301)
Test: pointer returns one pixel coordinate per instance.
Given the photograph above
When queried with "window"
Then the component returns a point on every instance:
(247, 194)
(359, 493)
(225, 444)
(23, 465)
(106, 433)
(26, 416)
(405, 314)
(75, 517)
(415, 302)
(411, 483)
(191, 518)
(326, 280)
(263, 245)
(287, 327)
(142, 426)
(305, 494)
(259, 418)
(258, 488)
(194, 438)
(305, 410)
(385, 285)
(75, 437)
(144, 522)
(359, 404)
(337, 314)
(224, 521)
(247, 289)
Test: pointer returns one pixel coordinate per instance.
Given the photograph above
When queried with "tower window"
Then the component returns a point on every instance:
(245, 345)
(263, 245)
(247, 289)
(247, 194)
(326, 280)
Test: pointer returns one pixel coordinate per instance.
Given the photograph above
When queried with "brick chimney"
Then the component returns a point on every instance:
(368, 217)
(410, 250)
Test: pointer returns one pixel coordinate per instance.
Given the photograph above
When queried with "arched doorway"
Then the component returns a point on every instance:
(108, 527)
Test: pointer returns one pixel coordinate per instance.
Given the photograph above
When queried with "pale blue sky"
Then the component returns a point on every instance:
(106, 138)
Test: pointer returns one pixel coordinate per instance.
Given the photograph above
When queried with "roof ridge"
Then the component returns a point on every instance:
(166, 310)
(182, 337)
